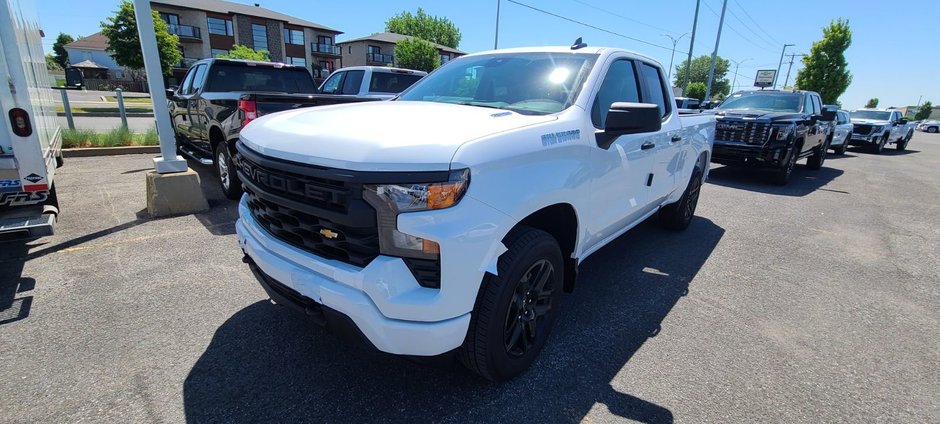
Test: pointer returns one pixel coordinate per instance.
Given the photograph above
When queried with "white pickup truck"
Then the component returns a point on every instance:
(875, 128)
(451, 219)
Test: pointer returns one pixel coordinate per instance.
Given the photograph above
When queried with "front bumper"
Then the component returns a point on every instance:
(736, 153)
(865, 139)
(383, 300)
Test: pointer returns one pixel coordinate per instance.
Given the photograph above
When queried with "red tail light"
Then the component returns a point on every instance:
(19, 119)
(250, 110)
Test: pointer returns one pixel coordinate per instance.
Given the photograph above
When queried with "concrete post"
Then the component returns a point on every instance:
(120, 101)
(169, 161)
(68, 108)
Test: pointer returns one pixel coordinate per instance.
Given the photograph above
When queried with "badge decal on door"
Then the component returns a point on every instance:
(560, 137)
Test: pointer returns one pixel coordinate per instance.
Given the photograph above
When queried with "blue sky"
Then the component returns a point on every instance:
(893, 55)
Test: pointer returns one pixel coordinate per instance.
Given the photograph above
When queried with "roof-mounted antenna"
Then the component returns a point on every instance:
(578, 44)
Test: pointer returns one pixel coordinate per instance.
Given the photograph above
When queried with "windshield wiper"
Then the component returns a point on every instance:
(477, 105)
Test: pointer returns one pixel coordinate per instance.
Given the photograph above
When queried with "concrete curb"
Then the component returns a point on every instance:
(107, 115)
(84, 152)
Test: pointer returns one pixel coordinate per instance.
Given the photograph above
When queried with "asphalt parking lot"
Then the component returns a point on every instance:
(814, 302)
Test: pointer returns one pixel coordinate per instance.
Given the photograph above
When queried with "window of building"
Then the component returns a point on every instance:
(293, 36)
(170, 18)
(218, 52)
(375, 50)
(259, 36)
(219, 26)
(325, 39)
(444, 58)
(299, 61)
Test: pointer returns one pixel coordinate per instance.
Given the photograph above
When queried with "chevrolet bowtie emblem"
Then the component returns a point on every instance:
(330, 234)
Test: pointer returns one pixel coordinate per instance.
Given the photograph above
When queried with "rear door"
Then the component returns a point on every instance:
(197, 107)
(180, 110)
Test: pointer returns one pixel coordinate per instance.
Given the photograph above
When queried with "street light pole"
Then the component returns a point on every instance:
(674, 42)
(737, 64)
(496, 40)
(777, 75)
(688, 62)
(711, 71)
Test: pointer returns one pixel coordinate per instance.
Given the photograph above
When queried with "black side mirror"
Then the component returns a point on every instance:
(629, 118)
(903, 121)
(828, 114)
(171, 93)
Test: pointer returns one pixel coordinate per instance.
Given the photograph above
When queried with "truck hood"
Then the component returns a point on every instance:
(758, 115)
(379, 136)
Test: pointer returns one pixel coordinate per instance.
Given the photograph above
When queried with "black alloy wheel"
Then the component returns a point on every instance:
(528, 309)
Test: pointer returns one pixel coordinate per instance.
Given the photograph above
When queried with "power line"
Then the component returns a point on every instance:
(748, 27)
(734, 30)
(592, 26)
(757, 24)
(624, 17)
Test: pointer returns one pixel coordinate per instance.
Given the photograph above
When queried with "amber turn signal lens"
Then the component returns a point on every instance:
(445, 195)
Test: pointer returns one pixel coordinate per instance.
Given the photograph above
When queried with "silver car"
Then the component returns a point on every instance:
(843, 132)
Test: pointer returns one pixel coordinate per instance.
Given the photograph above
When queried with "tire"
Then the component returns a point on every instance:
(902, 144)
(932, 129)
(815, 162)
(845, 145)
(880, 147)
(678, 216)
(225, 169)
(503, 339)
(59, 160)
(782, 176)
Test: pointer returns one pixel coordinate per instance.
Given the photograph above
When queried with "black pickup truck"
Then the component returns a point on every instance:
(220, 96)
(772, 129)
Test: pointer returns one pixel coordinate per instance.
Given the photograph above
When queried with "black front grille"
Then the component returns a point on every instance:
(862, 129)
(744, 132)
(322, 215)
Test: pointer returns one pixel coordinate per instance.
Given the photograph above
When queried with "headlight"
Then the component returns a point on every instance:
(783, 131)
(391, 199)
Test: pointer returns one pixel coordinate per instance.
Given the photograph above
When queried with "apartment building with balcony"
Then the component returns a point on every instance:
(379, 50)
(207, 28)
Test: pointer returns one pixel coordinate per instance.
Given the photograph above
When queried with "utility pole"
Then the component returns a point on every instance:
(921, 97)
(787, 79)
(777, 75)
(674, 41)
(688, 62)
(496, 40)
(711, 71)
(737, 65)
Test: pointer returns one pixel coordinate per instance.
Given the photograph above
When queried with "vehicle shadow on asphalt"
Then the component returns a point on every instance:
(222, 213)
(803, 181)
(14, 306)
(267, 363)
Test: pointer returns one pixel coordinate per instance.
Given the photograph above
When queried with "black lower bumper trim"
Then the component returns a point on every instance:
(336, 322)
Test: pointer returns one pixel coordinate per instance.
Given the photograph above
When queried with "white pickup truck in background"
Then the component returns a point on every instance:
(450, 219)
(876, 128)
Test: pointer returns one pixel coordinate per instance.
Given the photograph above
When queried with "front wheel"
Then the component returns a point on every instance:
(678, 216)
(515, 309)
(782, 176)
(225, 167)
(880, 147)
(932, 129)
(902, 145)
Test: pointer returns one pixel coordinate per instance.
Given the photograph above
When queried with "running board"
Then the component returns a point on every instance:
(28, 226)
(189, 151)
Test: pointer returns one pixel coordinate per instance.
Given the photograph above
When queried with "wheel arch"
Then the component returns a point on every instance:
(559, 220)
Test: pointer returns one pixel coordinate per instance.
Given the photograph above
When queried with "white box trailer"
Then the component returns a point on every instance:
(30, 139)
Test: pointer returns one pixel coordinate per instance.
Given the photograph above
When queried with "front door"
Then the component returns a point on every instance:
(667, 149)
(619, 193)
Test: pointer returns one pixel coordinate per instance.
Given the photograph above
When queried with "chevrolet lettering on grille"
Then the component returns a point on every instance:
(283, 183)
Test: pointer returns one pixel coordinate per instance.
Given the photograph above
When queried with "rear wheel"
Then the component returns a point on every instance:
(225, 168)
(515, 310)
(845, 145)
(932, 129)
(819, 156)
(678, 216)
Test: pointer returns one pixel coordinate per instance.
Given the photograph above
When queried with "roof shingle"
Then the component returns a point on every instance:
(391, 37)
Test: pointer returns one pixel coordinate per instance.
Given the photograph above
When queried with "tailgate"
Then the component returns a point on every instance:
(276, 102)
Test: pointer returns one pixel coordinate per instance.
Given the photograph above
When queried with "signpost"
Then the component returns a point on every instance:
(765, 78)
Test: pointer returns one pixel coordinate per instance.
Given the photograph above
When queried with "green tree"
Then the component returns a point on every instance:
(51, 63)
(239, 51)
(924, 111)
(58, 48)
(825, 69)
(872, 103)
(124, 41)
(699, 73)
(416, 53)
(696, 90)
(432, 28)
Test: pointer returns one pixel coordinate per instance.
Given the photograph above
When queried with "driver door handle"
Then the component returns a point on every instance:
(676, 138)
(648, 145)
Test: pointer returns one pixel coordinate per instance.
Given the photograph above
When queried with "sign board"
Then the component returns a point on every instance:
(765, 78)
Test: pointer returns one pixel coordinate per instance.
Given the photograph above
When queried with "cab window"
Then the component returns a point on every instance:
(655, 90)
(620, 85)
(333, 83)
(187, 81)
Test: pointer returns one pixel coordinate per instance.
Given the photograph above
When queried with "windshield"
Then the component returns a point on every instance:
(777, 102)
(871, 114)
(528, 83)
